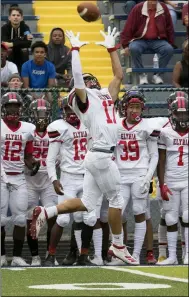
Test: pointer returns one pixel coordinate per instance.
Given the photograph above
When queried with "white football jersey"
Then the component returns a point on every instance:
(157, 123)
(176, 146)
(73, 147)
(40, 149)
(13, 144)
(132, 151)
(99, 117)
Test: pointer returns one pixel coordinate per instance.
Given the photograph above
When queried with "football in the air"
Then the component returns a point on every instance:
(89, 12)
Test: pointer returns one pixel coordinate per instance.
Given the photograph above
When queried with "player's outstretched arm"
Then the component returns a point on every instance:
(110, 44)
(79, 84)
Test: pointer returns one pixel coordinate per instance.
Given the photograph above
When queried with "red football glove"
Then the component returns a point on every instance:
(165, 191)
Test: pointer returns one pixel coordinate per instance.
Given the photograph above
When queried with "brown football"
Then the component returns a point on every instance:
(89, 12)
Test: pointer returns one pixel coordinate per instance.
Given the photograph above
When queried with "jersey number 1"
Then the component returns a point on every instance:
(180, 161)
(109, 118)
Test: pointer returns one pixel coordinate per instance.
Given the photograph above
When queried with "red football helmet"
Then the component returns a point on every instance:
(40, 113)
(179, 117)
(90, 80)
(132, 96)
(11, 106)
(174, 96)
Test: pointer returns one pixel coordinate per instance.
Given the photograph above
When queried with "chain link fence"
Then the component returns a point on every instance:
(156, 105)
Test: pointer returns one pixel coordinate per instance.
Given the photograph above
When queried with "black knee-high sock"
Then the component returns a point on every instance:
(86, 237)
(48, 238)
(73, 243)
(105, 239)
(3, 241)
(32, 243)
(18, 238)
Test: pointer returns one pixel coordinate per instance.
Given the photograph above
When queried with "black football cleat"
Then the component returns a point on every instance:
(70, 258)
(50, 261)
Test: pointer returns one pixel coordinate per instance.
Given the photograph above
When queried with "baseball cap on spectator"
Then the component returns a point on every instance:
(15, 75)
(3, 45)
(14, 5)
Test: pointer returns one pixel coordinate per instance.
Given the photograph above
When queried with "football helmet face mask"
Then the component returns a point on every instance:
(90, 80)
(68, 115)
(179, 117)
(40, 113)
(11, 106)
(132, 105)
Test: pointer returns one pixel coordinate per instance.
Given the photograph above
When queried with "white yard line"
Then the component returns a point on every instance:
(138, 272)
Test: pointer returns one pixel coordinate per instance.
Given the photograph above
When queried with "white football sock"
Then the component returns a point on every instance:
(162, 240)
(51, 211)
(97, 241)
(172, 244)
(186, 239)
(78, 239)
(117, 239)
(139, 235)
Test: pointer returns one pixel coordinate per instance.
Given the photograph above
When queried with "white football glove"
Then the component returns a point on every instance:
(74, 40)
(109, 39)
(145, 186)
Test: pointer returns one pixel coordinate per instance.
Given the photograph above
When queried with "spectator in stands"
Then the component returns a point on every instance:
(149, 27)
(7, 68)
(181, 69)
(15, 82)
(17, 37)
(170, 4)
(185, 18)
(172, 10)
(38, 73)
(129, 5)
(59, 54)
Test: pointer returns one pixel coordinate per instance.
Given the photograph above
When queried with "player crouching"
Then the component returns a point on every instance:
(16, 151)
(173, 173)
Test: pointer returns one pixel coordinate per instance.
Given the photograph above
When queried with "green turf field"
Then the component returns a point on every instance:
(106, 281)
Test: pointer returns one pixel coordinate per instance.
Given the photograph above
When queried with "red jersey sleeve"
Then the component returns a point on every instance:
(29, 147)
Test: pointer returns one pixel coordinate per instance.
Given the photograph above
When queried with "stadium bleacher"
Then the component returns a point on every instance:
(94, 61)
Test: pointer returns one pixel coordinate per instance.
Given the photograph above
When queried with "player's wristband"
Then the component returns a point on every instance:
(113, 49)
(75, 49)
(161, 186)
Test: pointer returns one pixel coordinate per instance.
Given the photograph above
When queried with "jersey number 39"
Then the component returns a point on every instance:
(130, 150)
